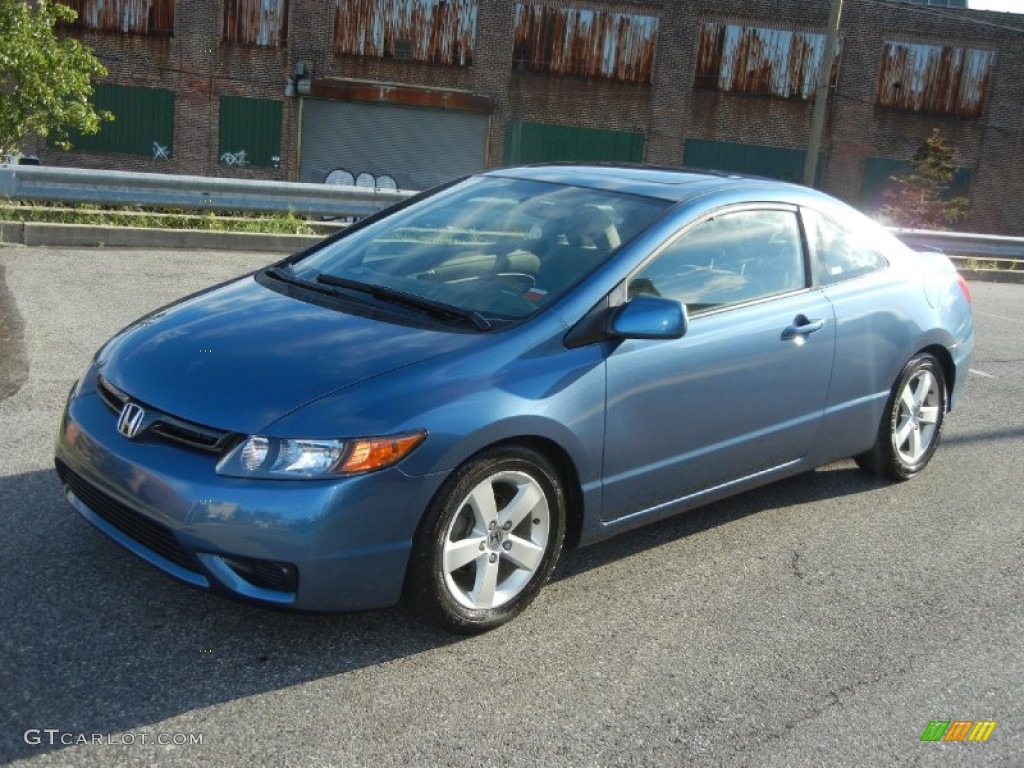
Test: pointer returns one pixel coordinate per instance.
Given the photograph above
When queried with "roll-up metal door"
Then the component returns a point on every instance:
(417, 148)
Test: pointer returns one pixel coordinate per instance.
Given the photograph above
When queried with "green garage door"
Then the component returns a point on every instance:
(541, 143)
(878, 173)
(250, 131)
(143, 121)
(772, 162)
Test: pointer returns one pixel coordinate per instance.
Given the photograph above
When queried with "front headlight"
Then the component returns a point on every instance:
(272, 457)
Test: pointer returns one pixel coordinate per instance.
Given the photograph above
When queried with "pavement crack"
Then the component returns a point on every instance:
(794, 564)
(834, 698)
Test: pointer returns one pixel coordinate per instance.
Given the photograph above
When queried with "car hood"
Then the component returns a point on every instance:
(241, 356)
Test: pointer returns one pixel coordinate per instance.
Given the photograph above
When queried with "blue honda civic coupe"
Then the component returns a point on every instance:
(430, 406)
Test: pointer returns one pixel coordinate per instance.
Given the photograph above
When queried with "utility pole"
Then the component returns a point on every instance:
(821, 93)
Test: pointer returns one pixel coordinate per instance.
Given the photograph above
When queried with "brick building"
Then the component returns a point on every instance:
(409, 93)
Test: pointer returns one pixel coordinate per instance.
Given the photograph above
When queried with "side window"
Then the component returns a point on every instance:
(839, 252)
(728, 259)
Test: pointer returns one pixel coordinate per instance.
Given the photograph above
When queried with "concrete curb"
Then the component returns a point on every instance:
(35, 234)
(12, 232)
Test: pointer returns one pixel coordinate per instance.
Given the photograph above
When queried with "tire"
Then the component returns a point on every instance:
(488, 541)
(912, 423)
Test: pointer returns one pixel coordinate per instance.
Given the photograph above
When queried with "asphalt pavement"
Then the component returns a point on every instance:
(821, 621)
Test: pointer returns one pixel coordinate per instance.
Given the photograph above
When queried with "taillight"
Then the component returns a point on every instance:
(963, 287)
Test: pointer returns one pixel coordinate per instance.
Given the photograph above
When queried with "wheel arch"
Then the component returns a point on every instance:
(948, 368)
(421, 585)
(564, 465)
(568, 474)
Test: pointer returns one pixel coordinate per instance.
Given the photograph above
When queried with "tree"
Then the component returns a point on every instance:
(919, 199)
(45, 80)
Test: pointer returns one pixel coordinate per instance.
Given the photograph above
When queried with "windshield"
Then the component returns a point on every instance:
(489, 248)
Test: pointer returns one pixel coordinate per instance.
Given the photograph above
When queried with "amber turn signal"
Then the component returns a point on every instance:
(368, 454)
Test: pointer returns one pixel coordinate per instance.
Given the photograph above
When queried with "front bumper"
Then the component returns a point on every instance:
(338, 545)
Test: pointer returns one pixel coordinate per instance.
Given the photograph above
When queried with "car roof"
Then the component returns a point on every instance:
(674, 184)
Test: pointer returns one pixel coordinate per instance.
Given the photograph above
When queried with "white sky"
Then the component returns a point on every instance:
(1009, 6)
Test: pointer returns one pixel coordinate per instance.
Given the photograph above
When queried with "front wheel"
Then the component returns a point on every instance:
(488, 542)
(912, 422)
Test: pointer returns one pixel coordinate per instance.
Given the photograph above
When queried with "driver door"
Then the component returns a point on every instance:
(743, 392)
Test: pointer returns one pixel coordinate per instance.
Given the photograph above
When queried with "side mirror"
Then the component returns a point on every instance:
(649, 317)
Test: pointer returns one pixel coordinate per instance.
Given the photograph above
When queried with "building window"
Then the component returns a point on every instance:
(147, 17)
(250, 132)
(256, 22)
(432, 31)
(759, 60)
(143, 122)
(934, 78)
(571, 41)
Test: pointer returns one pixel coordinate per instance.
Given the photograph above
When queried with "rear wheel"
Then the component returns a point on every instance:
(489, 541)
(912, 422)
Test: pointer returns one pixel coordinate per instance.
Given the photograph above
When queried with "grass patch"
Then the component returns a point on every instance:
(133, 216)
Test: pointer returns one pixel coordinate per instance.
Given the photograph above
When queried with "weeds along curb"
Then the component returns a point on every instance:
(91, 235)
(994, 275)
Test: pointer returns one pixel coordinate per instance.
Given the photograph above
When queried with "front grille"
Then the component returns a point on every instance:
(114, 398)
(166, 426)
(146, 532)
(192, 435)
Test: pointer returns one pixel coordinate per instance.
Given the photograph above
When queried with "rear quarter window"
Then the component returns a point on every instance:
(839, 251)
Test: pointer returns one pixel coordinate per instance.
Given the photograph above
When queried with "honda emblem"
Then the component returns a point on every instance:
(130, 422)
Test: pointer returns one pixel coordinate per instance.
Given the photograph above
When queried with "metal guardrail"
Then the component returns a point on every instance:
(204, 192)
(80, 185)
(992, 247)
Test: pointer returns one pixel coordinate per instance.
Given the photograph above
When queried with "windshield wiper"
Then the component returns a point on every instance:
(436, 308)
(279, 273)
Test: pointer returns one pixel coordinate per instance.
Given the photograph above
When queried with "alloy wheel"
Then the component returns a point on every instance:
(496, 540)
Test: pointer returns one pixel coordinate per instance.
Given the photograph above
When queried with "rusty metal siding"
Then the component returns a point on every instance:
(760, 60)
(256, 22)
(154, 17)
(934, 78)
(571, 41)
(434, 31)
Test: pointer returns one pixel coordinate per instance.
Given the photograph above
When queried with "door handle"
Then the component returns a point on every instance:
(801, 329)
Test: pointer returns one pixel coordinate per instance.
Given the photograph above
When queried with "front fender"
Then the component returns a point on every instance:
(517, 387)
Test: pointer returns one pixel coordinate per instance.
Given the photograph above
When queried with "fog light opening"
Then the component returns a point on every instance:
(265, 574)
